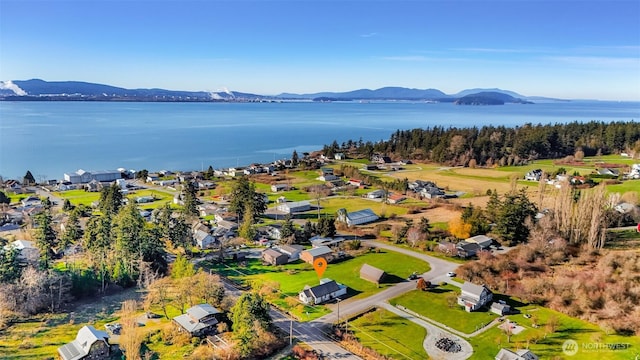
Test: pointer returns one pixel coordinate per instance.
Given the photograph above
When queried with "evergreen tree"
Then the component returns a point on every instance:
(72, 232)
(152, 250)
(246, 230)
(251, 309)
(142, 174)
(190, 199)
(244, 195)
(326, 227)
(46, 238)
(209, 174)
(4, 199)
(10, 268)
(172, 227)
(493, 205)
(111, 199)
(295, 159)
(98, 241)
(510, 222)
(424, 226)
(182, 267)
(127, 229)
(66, 205)
(287, 229)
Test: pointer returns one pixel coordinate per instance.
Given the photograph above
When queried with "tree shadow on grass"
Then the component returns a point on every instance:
(439, 290)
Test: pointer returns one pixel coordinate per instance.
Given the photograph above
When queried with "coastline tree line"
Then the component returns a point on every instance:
(499, 145)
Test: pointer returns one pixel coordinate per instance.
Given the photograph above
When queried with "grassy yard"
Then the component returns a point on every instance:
(331, 206)
(549, 345)
(79, 197)
(433, 304)
(390, 335)
(291, 278)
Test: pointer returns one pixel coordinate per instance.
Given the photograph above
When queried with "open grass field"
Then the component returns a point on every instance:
(79, 197)
(433, 304)
(549, 345)
(292, 278)
(390, 335)
(332, 204)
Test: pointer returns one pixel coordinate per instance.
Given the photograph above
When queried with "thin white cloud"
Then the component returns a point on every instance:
(372, 34)
(597, 61)
(495, 50)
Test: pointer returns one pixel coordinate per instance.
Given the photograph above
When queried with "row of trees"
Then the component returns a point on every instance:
(500, 145)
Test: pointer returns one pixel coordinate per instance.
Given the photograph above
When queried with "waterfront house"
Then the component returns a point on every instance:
(473, 296)
(326, 291)
(89, 344)
(199, 320)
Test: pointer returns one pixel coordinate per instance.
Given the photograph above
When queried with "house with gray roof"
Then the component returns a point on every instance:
(326, 291)
(482, 240)
(500, 308)
(293, 251)
(473, 296)
(309, 256)
(521, 354)
(466, 249)
(199, 320)
(294, 206)
(88, 344)
(373, 274)
(203, 239)
(359, 217)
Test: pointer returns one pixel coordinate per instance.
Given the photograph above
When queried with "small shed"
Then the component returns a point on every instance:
(370, 273)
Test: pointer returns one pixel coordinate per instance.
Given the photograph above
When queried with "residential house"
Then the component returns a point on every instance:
(375, 194)
(153, 177)
(373, 274)
(327, 177)
(203, 239)
(145, 199)
(533, 175)
(274, 257)
(371, 166)
(309, 256)
(13, 186)
(83, 177)
(467, 250)
(293, 251)
(482, 240)
(31, 201)
(448, 248)
(318, 241)
(94, 186)
(89, 344)
(28, 250)
(607, 171)
(356, 182)
(500, 308)
(294, 207)
(473, 296)
(359, 217)
(279, 187)
(431, 192)
(326, 291)
(521, 354)
(396, 198)
(199, 320)
(339, 156)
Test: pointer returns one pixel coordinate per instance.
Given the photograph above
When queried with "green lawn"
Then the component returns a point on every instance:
(390, 335)
(79, 197)
(331, 206)
(626, 186)
(487, 344)
(433, 304)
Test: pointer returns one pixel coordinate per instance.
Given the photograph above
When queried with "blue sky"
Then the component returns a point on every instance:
(566, 49)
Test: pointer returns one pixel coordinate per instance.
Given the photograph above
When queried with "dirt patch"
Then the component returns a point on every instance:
(92, 309)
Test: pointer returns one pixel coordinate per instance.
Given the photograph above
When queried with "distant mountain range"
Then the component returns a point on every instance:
(40, 90)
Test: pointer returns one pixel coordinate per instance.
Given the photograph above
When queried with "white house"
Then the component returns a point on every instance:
(326, 291)
(474, 296)
(88, 344)
(375, 194)
(522, 354)
(203, 239)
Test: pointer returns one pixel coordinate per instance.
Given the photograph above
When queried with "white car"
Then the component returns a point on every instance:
(451, 274)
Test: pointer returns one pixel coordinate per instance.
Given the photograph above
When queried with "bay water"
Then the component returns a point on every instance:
(51, 138)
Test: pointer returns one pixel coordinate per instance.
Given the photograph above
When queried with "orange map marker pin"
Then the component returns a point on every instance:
(320, 265)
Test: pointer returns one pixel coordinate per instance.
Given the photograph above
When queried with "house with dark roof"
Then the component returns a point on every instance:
(466, 250)
(88, 344)
(482, 240)
(500, 308)
(309, 256)
(473, 296)
(359, 217)
(326, 291)
(373, 274)
(521, 354)
(533, 175)
(274, 257)
(199, 320)
(293, 251)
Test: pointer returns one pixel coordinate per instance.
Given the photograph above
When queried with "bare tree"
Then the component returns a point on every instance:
(131, 337)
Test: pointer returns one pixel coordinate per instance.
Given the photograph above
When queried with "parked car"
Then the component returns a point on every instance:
(114, 328)
(451, 274)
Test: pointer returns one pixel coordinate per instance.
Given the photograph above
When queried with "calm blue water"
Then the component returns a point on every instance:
(50, 138)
